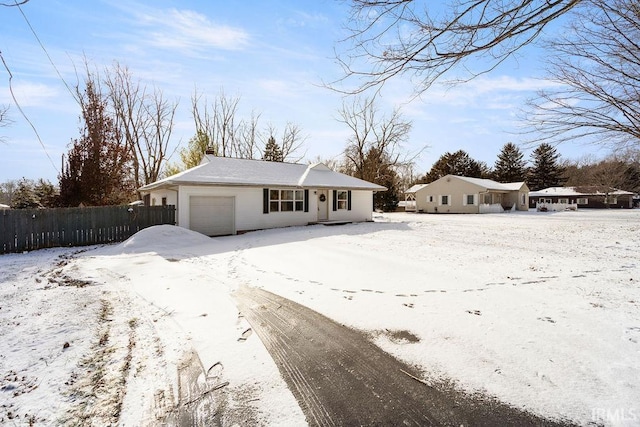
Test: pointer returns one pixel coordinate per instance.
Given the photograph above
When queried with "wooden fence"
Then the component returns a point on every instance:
(30, 229)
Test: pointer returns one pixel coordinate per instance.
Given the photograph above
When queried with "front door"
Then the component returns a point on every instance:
(323, 205)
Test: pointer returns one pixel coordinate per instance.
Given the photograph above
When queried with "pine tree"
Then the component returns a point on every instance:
(46, 193)
(192, 154)
(546, 171)
(510, 165)
(98, 167)
(272, 151)
(458, 163)
(24, 197)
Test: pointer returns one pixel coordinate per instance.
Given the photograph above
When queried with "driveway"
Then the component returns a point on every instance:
(340, 378)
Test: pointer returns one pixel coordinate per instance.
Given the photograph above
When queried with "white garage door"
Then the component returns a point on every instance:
(212, 216)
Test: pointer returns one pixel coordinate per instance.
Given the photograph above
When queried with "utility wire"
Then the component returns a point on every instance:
(13, 96)
(45, 50)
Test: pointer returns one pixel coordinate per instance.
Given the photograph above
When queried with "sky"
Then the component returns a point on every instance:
(273, 55)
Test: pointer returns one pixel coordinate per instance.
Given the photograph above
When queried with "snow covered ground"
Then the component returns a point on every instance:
(541, 310)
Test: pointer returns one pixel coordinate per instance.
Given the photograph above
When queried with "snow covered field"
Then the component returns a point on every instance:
(541, 310)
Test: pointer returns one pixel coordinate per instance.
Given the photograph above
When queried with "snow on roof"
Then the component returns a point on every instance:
(416, 188)
(490, 184)
(230, 171)
(576, 191)
(2, 206)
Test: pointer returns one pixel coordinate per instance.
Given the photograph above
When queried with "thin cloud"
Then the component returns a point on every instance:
(187, 30)
(32, 95)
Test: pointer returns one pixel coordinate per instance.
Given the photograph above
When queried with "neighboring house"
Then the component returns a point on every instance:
(224, 195)
(460, 194)
(410, 197)
(581, 197)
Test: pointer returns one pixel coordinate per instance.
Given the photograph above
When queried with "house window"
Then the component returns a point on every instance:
(563, 201)
(524, 199)
(444, 200)
(611, 200)
(164, 201)
(470, 199)
(583, 201)
(430, 199)
(488, 199)
(342, 200)
(286, 200)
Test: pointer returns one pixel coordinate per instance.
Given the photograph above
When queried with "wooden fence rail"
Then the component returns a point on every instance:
(30, 229)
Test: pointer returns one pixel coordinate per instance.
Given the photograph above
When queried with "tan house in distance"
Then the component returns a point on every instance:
(460, 194)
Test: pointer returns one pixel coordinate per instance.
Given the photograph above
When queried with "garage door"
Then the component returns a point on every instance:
(213, 216)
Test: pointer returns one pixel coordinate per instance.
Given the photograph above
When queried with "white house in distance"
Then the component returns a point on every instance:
(225, 195)
(460, 194)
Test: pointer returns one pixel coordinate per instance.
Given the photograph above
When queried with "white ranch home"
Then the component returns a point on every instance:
(461, 194)
(225, 195)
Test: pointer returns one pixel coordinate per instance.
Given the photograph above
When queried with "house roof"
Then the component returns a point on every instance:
(227, 171)
(577, 191)
(489, 184)
(416, 188)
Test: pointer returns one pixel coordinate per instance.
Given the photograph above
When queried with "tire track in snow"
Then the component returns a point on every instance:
(340, 378)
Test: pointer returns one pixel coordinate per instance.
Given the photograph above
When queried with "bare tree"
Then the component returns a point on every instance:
(217, 121)
(392, 38)
(145, 119)
(376, 141)
(4, 119)
(597, 64)
(291, 140)
(248, 143)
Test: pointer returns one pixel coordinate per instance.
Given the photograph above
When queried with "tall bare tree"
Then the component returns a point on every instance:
(4, 119)
(145, 119)
(373, 135)
(424, 39)
(218, 121)
(597, 65)
(248, 144)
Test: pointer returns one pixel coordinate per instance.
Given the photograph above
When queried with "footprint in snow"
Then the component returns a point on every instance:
(245, 335)
(475, 312)
(547, 319)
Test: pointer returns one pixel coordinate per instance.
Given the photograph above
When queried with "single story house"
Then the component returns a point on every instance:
(461, 194)
(225, 195)
(581, 197)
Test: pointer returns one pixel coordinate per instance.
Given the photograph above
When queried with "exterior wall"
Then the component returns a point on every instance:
(361, 207)
(248, 207)
(455, 189)
(157, 196)
(596, 202)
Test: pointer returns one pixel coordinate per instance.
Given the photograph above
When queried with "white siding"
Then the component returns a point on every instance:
(361, 207)
(249, 207)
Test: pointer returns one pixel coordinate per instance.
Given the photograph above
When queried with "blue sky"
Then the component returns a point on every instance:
(274, 55)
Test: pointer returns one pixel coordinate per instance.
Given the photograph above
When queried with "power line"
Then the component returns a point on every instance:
(45, 50)
(13, 96)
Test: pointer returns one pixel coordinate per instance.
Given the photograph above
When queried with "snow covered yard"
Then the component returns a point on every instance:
(540, 310)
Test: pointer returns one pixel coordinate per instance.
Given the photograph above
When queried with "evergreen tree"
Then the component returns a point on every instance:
(46, 193)
(272, 151)
(458, 163)
(510, 165)
(24, 197)
(98, 167)
(546, 171)
(192, 155)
